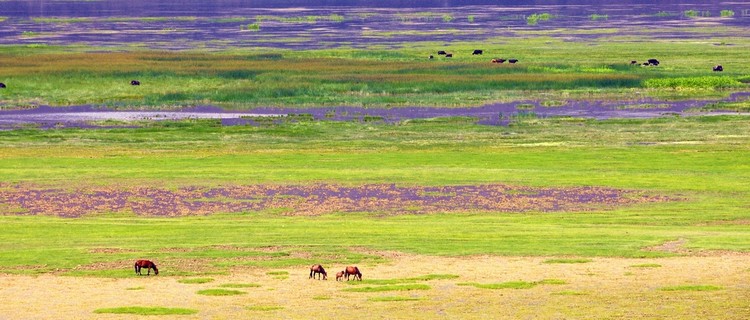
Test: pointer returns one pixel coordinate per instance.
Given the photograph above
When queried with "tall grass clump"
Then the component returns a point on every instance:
(393, 299)
(513, 284)
(696, 13)
(195, 280)
(705, 82)
(220, 292)
(447, 18)
(534, 19)
(470, 18)
(60, 20)
(727, 13)
(265, 308)
(147, 311)
(595, 17)
(692, 288)
(398, 287)
(252, 27)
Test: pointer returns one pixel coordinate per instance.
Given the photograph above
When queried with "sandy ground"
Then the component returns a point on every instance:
(601, 289)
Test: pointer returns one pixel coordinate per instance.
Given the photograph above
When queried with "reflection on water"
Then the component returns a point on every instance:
(493, 114)
(174, 24)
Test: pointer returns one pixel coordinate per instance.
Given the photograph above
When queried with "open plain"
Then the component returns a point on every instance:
(236, 146)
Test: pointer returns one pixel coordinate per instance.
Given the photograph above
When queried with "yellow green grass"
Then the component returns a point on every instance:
(147, 311)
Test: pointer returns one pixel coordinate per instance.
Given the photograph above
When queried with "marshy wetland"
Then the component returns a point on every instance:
(264, 137)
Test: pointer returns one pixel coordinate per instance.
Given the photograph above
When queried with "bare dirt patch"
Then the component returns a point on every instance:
(679, 247)
(603, 288)
(313, 199)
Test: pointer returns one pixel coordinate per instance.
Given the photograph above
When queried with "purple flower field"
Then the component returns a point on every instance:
(313, 199)
(293, 24)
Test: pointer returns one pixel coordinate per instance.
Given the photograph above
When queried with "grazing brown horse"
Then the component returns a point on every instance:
(318, 269)
(351, 270)
(145, 264)
(340, 276)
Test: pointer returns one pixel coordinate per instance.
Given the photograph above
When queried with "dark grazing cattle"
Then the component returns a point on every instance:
(449, 55)
(135, 83)
(653, 62)
(477, 52)
(441, 52)
(633, 62)
(2, 85)
(431, 57)
(718, 68)
(513, 60)
(496, 60)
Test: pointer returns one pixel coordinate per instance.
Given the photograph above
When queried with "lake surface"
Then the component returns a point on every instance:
(314, 24)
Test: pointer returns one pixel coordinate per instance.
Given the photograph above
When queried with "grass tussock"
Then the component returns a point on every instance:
(393, 299)
(196, 280)
(265, 307)
(428, 277)
(395, 287)
(692, 288)
(567, 261)
(240, 285)
(147, 311)
(513, 284)
(220, 292)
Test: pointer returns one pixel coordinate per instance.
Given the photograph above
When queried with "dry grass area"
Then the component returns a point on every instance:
(604, 288)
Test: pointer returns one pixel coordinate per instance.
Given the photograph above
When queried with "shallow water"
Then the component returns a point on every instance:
(493, 114)
(296, 24)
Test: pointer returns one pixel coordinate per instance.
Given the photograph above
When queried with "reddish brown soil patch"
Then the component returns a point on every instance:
(311, 199)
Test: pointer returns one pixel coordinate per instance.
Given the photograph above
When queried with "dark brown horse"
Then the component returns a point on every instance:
(145, 264)
(318, 269)
(352, 270)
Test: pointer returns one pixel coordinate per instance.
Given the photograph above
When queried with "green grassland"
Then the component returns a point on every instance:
(549, 68)
(699, 161)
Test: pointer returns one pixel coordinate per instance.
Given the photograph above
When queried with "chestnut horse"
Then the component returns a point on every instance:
(145, 264)
(318, 269)
(351, 270)
(340, 275)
